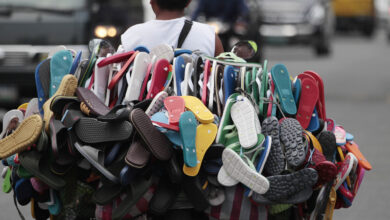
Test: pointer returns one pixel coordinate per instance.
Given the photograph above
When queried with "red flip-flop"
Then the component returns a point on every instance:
(175, 105)
(122, 71)
(116, 58)
(159, 77)
(321, 100)
(308, 100)
(206, 75)
(145, 82)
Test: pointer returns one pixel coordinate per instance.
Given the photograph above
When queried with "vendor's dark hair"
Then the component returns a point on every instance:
(172, 4)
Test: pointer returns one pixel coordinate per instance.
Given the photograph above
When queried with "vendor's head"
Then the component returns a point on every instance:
(169, 5)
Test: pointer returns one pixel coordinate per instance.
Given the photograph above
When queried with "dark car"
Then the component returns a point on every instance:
(307, 22)
(31, 29)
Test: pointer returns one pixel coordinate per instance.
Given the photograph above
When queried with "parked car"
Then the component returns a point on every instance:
(31, 29)
(356, 14)
(307, 22)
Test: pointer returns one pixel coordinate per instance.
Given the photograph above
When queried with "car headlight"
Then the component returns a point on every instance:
(105, 31)
(218, 26)
(316, 14)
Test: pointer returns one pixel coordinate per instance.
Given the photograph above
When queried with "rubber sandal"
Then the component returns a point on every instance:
(281, 78)
(188, 126)
(340, 134)
(298, 197)
(344, 170)
(60, 65)
(60, 104)
(330, 125)
(23, 191)
(155, 141)
(283, 186)
(211, 86)
(206, 77)
(137, 156)
(162, 51)
(116, 58)
(205, 136)
(8, 117)
(307, 101)
(75, 63)
(175, 106)
(219, 99)
(118, 113)
(159, 76)
(314, 124)
(67, 88)
(328, 142)
(42, 82)
(35, 163)
(32, 108)
(185, 90)
(354, 149)
(7, 186)
(276, 162)
(141, 62)
(326, 170)
(198, 69)
(92, 131)
(26, 134)
(157, 103)
(163, 197)
(243, 115)
(127, 175)
(229, 82)
(172, 135)
(321, 101)
(137, 189)
(226, 119)
(178, 74)
(118, 76)
(96, 158)
(201, 112)
(57, 206)
(239, 170)
(291, 138)
(263, 90)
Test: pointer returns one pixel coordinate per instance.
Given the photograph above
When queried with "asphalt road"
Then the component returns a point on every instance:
(357, 87)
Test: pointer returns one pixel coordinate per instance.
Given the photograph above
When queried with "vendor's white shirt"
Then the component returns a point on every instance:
(155, 32)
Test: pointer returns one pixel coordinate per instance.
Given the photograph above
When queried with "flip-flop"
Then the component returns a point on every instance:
(76, 62)
(12, 114)
(101, 80)
(297, 89)
(239, 170)
(349, 137)
(123, 70)
(32, 108)
(291, 138)
(198, 69)
(92, 131)
(340, 134)
(67, 88)
(23, 137)
(175, 106)
(137, 156)
(188, 126)
(185, 90)
(219, 90)
(307, 101)
(225, 179)
(23, 191)
(328, 143)
(159, 76)
(57, 206)
(162, 51)
(353, 148)
(321, 101)
(263, 89)
(229, 82)
(284, 186)
(155, 141)
(42, 82)
(206, 77)
(226, 119)
(179, 66)
(211, 86)
(145, 81)
(276, 162)
(96, 158)
(60, 65)
(141, 62)
(326, 170)
(344, 170)
(116, 58)
(142, 48)
(281, 78)
(172, 135)
(7, 186)
(314, 124)
(157, 103)
(299, 197)
(243, 116)
(36, 164)
(205, 136)
(201, 112)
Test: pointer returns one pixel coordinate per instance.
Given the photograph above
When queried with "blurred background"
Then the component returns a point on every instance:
(346, 41)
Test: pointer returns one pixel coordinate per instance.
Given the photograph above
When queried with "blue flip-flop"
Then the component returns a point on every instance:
(229, 81)
(42, 92)
(282, 82)
(180, 67)
(127, 175)
(60, 65)
(173, 136)
(112, 154)
(314, 122)
(179, 52)
(24, 191)
(142, 49)
(56, 207)
(75, 63)
(349, 137)
(188, 125)
(297, 91)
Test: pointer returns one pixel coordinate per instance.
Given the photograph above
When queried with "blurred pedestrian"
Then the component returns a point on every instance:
(167, 27)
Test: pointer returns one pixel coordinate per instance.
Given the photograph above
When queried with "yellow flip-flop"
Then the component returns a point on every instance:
(201, 112)
(205, 136)
(314, 141)
(331, 204)
(67, 87)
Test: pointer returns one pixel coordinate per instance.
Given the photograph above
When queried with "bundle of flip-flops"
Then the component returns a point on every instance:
(175, 134)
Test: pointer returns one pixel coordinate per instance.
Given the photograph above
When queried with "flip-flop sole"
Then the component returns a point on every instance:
(157, 103)
(179, 66)
(137, 156)
(284, 186)
(226, 119)
(240, 171)
(344, 170)
(281, 78)
(291, 138)
(225, 179)
(60, 65)
(229, 81)
(26, 134)
(354, 149)
(201, 112)
(175, 106)
(140, 67)
(307, 101)
(205, 136)
(92, 131)
(188, 127)
(276, 162)
(159, 76)
(328, 143)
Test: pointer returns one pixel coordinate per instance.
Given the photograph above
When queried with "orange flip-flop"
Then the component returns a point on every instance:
(354, 149)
